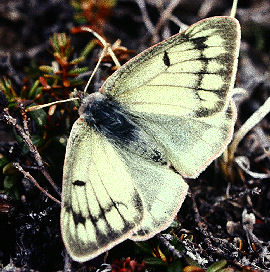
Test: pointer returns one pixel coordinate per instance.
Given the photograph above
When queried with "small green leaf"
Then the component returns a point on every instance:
(88, 48)
(78, 70)
(3, 161)
(9, 182)
(80, 20)
(153, 261)
(39, 116)
(77, 60)
(9, 169)
(46, 69)
(34, 90)
(76, 82)
(10, 187)
(217, 266)
(76, 5)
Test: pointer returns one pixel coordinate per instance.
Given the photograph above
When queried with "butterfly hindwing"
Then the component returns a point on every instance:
(191, 143)
(163, 192)
(161, 189)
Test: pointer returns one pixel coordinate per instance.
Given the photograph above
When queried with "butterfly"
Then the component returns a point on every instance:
(170, 105)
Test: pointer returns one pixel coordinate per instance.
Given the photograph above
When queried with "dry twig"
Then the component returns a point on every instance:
(24, 133)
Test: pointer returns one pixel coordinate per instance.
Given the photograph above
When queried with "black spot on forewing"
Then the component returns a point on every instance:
(166, 59)
(112, 233)
(199, 42)
(78, 183)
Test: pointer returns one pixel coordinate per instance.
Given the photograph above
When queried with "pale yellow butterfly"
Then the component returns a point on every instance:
(170, 105)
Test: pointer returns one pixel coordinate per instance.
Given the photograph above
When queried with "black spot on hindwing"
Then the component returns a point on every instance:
(157, 157)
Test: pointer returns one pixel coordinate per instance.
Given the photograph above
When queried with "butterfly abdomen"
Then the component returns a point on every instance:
(106, 116)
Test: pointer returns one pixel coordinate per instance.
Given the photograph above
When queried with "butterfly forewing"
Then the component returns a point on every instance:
(191, 73)
(180, 91)
(100, 205)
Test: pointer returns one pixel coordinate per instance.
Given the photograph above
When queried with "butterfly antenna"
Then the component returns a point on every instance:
(234, 8)
(105, 44)
(103, 53)
(37, 107)
(107, 48)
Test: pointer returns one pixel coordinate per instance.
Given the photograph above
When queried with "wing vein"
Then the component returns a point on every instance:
(194, 48)
(155, 76)
(195, 73)
(156, 103)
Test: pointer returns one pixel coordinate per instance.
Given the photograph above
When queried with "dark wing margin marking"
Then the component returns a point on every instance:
(78, 218)
(199, 42)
